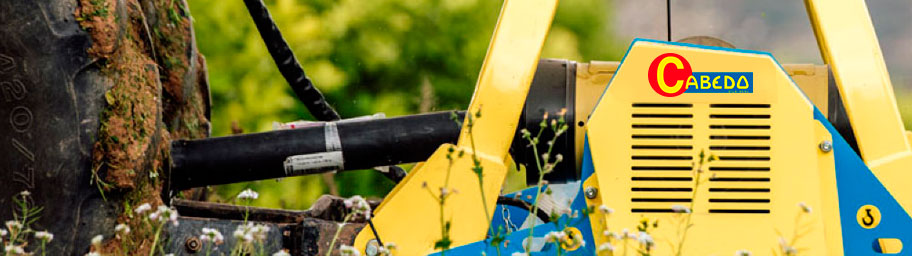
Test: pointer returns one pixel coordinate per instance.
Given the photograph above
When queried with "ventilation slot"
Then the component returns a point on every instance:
(740, 138)
(662, 154)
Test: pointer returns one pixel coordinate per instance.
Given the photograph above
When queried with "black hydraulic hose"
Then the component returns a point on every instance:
(257, 156)
(287, 63)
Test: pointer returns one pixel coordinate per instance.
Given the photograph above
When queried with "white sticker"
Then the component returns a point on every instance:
(314, 163)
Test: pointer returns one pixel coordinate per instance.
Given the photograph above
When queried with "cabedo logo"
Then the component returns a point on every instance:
(671, 75)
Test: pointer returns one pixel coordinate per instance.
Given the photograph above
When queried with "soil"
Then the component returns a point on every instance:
(96, 17)
(159, 91)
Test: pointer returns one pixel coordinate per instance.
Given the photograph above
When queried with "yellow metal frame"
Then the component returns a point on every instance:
(409, 215)
(848, 43)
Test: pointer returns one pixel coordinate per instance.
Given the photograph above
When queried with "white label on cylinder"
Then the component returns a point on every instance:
(314, 163)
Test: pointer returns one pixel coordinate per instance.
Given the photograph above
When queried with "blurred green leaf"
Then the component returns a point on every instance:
(366, 57)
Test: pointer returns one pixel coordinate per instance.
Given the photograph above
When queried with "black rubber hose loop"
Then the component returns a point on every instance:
(288, 65)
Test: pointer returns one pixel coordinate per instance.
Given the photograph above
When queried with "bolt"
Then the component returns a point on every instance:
(193, 245)
(591, 192)
(826, 146)
(373, 248)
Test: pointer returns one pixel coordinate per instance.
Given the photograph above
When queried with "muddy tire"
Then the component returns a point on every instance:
(52, 106)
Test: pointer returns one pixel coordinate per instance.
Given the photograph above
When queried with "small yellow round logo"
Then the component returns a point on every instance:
(868, 216)
(573, 240)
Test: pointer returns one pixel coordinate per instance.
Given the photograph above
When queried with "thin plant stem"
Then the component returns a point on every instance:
(479, 174)
(336, 236)
(693, 199)
(541, 177)
(155, 239)
(444, 231)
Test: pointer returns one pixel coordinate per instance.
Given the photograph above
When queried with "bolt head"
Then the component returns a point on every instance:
(591, 192)
(825, 146)
(193, 245)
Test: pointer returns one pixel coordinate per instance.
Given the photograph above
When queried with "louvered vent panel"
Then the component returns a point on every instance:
(662, 153)
(740, 137)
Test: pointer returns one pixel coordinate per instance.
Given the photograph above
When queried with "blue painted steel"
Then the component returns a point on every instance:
(516, 238)
(857, 186)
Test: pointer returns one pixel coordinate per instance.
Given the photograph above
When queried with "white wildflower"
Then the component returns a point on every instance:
(346, 250)
(211, 234)
(143, 208)
(804, 207)
(579, 240)
(606, 247)
(443, 192)
(281, 253)
(2, 232)
(611, 235)
(239, 232)
(25, 193)
(645, 239)
(248, 194)
(680, 208)
(121, 229)
(164, 214)
(14, 250)
(742, 253)
(625, 234)
(13, 226)
(259, 232)
(44, 236)
(154, 215)
(604, 209)
(358, 206)
(97, 240)
(554, 237)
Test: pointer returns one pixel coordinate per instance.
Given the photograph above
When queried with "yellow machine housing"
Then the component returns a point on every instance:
(592, 78)
(644, 145)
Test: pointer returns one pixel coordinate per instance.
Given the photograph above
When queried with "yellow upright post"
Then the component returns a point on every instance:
(849, 45)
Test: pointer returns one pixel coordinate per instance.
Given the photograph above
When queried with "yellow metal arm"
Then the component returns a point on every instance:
(410, 216)
(849, 45)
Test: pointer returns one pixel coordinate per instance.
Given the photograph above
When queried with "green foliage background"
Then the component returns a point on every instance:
(367, 56)
(392, 56)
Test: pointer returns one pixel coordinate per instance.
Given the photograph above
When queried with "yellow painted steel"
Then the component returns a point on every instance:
(829, 208)
(409, 215)
(848, 43)
(797, 171)
(890, 245)
(592, 78)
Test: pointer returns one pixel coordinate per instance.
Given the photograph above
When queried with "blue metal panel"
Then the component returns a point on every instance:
(516, 238)
(857, 186)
